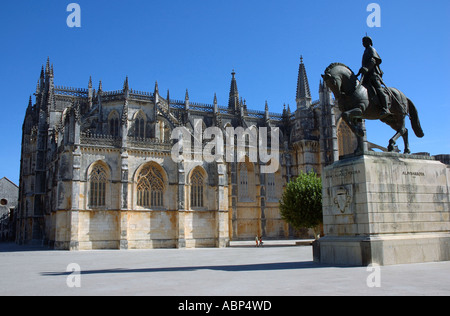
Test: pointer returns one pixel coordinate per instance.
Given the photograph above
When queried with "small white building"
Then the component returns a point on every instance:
(9, 194)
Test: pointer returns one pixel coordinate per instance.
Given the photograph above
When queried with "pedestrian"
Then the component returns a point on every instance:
(256, 240)
(260, 241)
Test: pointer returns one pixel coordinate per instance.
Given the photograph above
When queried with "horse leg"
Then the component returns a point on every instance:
(361, 140)
(405, 139)
(393, 140)
(350, 117)
(397, 123)
(400, 132)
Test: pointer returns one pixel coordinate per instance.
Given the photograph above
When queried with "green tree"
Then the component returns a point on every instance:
(301, 203)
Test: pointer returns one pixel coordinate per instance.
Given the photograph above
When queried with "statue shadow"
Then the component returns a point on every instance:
(226, 268)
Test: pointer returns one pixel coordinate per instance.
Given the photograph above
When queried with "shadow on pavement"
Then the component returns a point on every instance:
(228, 268)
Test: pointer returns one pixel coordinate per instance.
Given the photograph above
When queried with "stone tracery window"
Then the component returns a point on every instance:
(139, 125)
(271, 186)
(197, 188)
(97, 186)
(114, 124)
(243, 182)
(150, 187)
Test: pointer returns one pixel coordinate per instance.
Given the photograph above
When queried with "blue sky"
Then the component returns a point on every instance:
(195, 45)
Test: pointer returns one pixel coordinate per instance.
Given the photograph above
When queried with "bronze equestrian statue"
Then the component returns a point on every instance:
(372, 76)
(369, 100)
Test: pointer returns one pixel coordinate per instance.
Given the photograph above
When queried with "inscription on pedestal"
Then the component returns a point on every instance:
(414, 173)
(342, 174)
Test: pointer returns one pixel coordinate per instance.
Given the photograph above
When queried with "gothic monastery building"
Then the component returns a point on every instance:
(97, 171)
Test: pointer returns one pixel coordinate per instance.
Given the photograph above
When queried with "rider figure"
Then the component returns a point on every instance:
(372, 75)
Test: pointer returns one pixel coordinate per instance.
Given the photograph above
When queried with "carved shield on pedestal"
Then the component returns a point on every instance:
(342, 198)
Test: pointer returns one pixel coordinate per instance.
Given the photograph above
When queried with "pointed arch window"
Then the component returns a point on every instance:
(197, 189)
(271, 186)
(97, 186)
(139, 125)
(150, 188)
(114, 124)
(243, 182)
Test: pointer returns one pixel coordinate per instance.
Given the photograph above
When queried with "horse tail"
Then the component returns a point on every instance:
(415, 122)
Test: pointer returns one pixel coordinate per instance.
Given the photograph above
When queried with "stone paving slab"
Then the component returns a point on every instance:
(234, 271)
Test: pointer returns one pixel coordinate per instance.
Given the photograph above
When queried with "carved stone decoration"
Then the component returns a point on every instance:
(342, 198)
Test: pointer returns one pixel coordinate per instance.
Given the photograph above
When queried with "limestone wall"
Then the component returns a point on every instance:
(152, 229)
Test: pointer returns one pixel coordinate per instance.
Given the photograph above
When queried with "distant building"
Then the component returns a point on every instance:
(9, 194)
(443, 158)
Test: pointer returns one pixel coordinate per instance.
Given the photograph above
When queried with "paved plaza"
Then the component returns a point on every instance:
(277, 269)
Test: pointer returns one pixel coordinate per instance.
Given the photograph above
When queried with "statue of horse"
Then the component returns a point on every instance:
(354, 103)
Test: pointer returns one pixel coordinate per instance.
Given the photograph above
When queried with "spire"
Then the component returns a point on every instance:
(90, 91)
(303, 96)
(47, 66)
(186, 100)
(233, 102)
(156, 87)
(100, 86)
(125, 84)
(285, 118)
(48, 82)
(215, 107)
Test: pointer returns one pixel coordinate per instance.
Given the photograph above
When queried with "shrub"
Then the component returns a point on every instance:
(301, 203)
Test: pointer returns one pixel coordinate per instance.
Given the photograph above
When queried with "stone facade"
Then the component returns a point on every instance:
(97, 172)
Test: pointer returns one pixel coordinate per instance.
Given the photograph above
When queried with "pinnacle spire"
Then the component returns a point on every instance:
(186, 102)
(303, 96)
(47, 66)
(233, 102)
(125, 84)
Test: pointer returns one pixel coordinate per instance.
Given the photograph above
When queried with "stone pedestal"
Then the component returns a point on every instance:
(386, 209)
